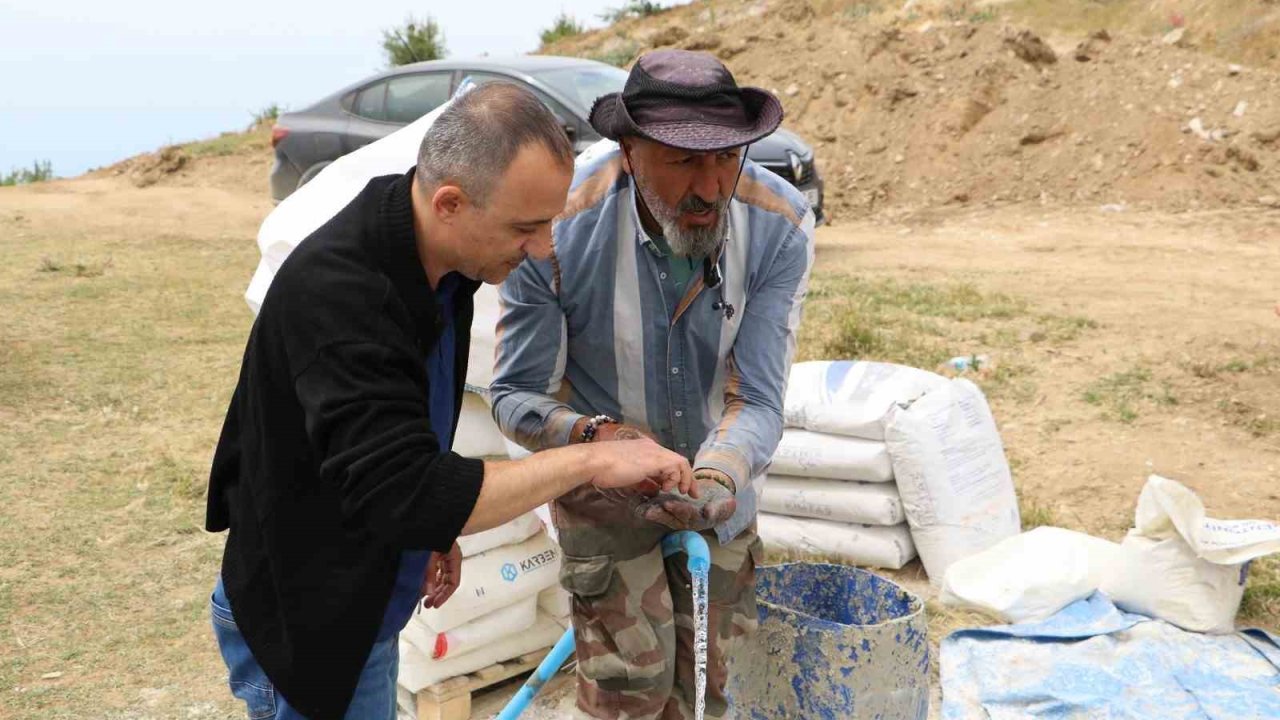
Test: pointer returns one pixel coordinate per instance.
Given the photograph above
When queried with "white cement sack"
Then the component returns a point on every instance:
(1182, 567)
(418, 670)
(802, 453)
(556, 602)
(493, 580)
(509, 533)
(951, 471)
(1165, 579)
(1031, 576)
(865, 545)
(1167, 508)
(478, 435)
(838, 500)
(484, 338)
(485, 629)
(544, 514)
(851, 398)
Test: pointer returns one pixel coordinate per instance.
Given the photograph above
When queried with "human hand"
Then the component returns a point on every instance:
(444, 574)
(710, 504)
(644, 464)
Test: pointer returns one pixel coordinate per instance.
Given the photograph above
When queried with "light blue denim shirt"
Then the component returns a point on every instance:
(601, 329)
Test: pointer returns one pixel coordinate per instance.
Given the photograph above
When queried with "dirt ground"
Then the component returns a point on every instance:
(1179, 296)
(128, 324)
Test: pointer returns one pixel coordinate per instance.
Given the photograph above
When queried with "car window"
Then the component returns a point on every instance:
(583, 84)
(409, 97)
(480, 78)
(370, 103)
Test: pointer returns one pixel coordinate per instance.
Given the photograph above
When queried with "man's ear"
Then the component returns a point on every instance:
(448, 202)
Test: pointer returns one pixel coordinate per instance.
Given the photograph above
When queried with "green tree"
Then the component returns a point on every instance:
(633, 8)
(415, 41)
(564, 26)
(39, 172)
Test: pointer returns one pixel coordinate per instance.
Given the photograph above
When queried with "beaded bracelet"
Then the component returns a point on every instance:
(589, 432)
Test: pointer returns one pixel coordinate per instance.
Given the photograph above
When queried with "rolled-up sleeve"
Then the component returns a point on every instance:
(742, 443)
(529, 367)
(368, 423)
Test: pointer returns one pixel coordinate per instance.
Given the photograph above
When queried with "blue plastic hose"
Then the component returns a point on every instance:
(548, 667)
(694, 545)
(685, 541)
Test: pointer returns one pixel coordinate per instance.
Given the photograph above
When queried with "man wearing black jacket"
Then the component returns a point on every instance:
(333, 472)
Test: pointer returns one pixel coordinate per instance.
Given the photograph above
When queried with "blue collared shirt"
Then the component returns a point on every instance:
(440, 368)
(601, 328)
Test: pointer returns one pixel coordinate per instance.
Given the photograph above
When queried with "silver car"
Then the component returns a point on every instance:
(307, 140)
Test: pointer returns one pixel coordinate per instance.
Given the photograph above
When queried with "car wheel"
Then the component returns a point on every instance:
(312, 171)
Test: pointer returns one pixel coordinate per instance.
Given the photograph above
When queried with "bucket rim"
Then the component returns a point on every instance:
(916, 603)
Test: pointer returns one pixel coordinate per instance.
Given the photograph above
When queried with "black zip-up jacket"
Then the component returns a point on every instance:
(327, 468)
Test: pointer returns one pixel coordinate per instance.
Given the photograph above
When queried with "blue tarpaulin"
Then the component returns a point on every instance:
(1092, 660)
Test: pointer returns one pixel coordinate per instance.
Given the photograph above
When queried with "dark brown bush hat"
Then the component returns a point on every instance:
(687, 100)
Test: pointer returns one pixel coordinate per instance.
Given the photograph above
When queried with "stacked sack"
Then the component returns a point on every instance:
(509, 603)
(830, 490)
(879, 462)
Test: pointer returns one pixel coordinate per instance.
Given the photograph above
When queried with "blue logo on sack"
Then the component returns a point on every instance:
(509, 572)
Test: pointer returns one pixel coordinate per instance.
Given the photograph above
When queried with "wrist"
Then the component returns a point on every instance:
(575, 433)
(578, 465)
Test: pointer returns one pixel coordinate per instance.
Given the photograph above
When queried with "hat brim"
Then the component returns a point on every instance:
(610, 118)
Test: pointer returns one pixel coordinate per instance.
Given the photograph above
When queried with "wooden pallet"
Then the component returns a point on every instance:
(451, 699)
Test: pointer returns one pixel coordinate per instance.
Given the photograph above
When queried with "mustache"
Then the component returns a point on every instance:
(695, 204)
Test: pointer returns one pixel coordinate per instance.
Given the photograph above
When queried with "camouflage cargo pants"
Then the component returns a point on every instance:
(633, 610)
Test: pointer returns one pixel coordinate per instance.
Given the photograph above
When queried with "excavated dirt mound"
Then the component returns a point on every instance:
(238, 162)
(911, 111)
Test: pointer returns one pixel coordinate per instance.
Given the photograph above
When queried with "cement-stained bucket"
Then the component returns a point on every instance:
(834, 642)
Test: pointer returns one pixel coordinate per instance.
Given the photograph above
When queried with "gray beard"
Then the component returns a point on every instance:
(698, 242)
(694, 243)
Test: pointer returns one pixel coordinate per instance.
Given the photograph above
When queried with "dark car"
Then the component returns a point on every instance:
(307, 140)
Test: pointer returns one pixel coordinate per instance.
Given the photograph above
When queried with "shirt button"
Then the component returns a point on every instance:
(675, 371)
(679, 413)
(662, 275)
(684, 445)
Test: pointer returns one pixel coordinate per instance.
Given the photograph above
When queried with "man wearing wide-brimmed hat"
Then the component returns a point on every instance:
(669, 308)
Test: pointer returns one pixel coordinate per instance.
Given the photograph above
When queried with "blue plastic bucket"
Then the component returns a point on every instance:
(834, 642)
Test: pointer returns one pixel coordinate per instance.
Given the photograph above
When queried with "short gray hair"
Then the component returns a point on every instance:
(476, 138)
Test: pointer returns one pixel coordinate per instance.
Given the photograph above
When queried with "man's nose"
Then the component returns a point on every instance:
(706, 183)
(708, 191)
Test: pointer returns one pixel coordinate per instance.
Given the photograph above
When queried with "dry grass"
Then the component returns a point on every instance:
(1261, 604)
(1122, 394)
(114, 373)
(257, 139)
(924, 324)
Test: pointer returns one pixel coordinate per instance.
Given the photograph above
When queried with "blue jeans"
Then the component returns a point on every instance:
(375, 697)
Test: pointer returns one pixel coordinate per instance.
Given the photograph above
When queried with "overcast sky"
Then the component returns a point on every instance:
(89, 82)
